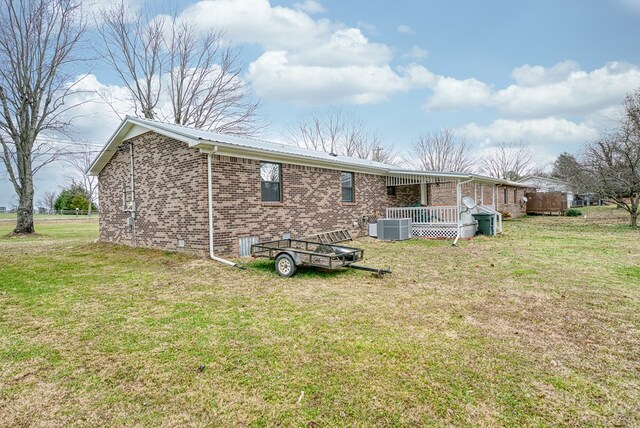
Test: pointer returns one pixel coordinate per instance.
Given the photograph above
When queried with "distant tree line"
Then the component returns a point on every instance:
(609, 166)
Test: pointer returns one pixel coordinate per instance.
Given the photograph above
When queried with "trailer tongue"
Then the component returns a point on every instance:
(290, 254)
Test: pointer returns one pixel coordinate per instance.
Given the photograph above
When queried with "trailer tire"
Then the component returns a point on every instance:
(285, 265)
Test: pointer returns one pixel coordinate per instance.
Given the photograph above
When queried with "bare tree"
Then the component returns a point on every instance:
(48, 199)
(206, 89)
(134, 49)
(37, 42)
(509, 161)
(373, 148)
(174, 72)
(442, 151)
(337, 132)
(613, 161)
(80, 160)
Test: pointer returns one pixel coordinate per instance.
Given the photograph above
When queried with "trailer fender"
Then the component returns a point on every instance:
(293, 255)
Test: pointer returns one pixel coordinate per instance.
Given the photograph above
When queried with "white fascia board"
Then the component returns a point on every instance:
(429, 173)
(222, 149)
(128, 129)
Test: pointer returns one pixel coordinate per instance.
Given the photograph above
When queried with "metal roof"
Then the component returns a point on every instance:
(232, 145)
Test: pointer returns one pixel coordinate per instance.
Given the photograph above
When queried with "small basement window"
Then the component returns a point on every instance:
(391, 190)
(270, 179)
(347, 187)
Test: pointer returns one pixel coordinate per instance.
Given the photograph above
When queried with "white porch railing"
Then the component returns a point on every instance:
(425, 215)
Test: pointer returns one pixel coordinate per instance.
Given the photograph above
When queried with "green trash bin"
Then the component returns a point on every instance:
(486, 224)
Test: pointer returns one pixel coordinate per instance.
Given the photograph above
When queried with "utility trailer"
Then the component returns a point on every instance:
(290, 254)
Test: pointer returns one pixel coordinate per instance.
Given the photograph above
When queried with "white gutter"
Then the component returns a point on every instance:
(210, 196)
(459, 202)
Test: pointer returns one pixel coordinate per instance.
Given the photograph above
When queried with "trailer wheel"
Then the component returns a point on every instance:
(285, 265)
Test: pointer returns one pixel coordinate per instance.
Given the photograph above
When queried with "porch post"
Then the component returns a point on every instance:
(493, 197)
(423, 194)
(458, 200)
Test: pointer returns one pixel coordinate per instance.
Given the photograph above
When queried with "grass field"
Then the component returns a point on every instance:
(37, 217)
(537, 327)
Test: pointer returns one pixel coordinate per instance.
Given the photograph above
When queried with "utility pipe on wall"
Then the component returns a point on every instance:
(459, 203)
(134, 238)
(210, 197)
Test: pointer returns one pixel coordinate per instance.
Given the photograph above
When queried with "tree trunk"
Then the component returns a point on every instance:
(634, 219)
(24, 222)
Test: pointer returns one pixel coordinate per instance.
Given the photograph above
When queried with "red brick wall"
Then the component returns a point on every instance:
(445, 195)
(514, 206)
(171, 196)
(311, 202)
(407, 195)
(170, 184)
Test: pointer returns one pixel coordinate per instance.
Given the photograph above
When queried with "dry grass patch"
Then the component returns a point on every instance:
(538, 327)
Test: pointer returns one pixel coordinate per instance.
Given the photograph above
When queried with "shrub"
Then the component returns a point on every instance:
(573, 213)
(71, 198)
(505, 214)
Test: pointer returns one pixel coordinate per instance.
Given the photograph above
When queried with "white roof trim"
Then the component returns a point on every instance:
(230, 145)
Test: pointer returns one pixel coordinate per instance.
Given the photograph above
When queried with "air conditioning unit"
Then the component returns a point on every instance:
(394, 229)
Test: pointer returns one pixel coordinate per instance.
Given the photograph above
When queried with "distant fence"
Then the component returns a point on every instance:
(68, 212)
(44, 211)
(546, 202)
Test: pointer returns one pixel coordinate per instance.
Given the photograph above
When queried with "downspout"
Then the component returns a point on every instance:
(134, 238)
(210, 197)
(459, 208)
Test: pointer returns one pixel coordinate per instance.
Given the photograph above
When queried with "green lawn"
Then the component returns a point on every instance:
(537, 327)
(12, 216)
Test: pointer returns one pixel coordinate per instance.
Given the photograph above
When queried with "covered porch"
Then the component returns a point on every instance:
(435, 202)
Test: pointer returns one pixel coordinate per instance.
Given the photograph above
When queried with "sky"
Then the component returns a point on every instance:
(551, 74)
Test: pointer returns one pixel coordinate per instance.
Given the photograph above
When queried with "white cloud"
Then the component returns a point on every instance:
(309, 6)
(307, 60)
(274, 76)
(539, 92)
(405, 29)
(416, 53)
(451, 94)
(91, 9)
(578, 92)
(546, 131)
(344, 47)
(256, 21)
(95, 118)
(538, 75)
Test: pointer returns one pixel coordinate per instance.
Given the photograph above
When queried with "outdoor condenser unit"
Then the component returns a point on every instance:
(394, 229)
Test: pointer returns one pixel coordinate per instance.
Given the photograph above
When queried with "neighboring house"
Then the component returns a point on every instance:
(549, 185)
(178, 188)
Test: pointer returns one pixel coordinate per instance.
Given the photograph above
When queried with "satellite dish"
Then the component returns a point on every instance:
(469, 202)
(525, 199)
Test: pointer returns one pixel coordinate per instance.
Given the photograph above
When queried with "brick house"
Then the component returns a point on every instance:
(178, 188)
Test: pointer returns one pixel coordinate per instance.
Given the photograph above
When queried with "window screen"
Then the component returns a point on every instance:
(347, 187)
(270, 178)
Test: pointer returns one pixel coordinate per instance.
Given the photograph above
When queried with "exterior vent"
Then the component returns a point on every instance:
(394, 229)
(244, 245)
